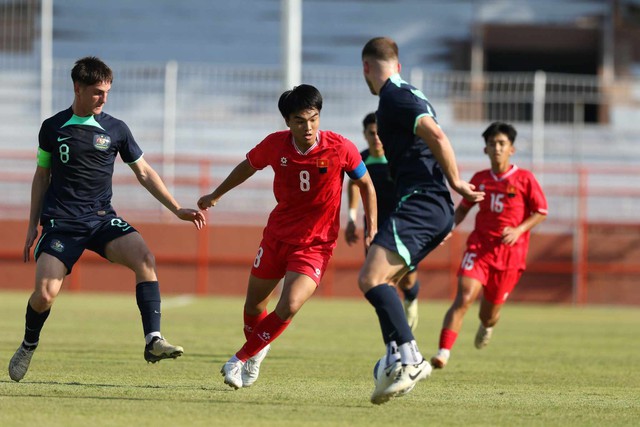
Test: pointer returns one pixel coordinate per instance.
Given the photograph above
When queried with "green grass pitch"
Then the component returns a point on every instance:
(546, 366)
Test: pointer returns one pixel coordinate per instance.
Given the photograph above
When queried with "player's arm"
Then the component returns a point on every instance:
(353, 200)
(460, 214)
(368, 194)
(238, 175)
(150, 180)
(510, 235)
(429, 131)
(39, 185)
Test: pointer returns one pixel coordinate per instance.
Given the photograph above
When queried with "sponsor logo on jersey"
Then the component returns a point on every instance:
(481, 187)
(60, 138)
(101, 141)
(283, 161)
(317, 272)
(323, 164)
(511, 191)
(57, 245)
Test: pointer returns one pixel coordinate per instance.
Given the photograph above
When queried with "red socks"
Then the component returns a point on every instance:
(266, 331)
(250, 322)
(447, 338)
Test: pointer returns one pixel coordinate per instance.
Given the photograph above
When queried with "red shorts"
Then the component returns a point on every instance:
(497, 284)
(275, 258)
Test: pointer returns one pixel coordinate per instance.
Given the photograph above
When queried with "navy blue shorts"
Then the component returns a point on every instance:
(418, 225)
(67, 239)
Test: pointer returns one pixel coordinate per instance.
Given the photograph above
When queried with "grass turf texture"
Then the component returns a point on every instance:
(546, 365)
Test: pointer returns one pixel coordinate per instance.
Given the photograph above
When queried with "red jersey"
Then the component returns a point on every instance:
(510, 198)
(307, 186)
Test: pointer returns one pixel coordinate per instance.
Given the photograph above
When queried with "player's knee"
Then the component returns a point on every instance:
(366, 281)
(148, 261)
(42, 300)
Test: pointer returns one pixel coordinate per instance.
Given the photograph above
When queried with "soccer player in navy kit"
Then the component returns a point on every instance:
(298, 241)
(378, 168)
(71, 198)
(420, 157)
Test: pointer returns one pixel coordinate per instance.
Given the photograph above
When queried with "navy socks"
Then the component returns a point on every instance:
(393, 322)
(148, 299)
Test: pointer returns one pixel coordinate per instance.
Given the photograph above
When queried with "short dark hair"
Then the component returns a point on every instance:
(300, 98)
(500, 127)
(382, 48)
(369, 119)
(91, 70)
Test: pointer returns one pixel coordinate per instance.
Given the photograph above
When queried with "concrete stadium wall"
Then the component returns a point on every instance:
(549, 278)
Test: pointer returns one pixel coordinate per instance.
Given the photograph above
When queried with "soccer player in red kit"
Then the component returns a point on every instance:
(497, 248)
(301, 233)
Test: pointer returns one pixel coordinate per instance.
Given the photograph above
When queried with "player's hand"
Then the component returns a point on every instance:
(510, 235)
(205, 202)
(368, 238)
(32, 234)
(467, 190)
(197, 217)
(350, 234)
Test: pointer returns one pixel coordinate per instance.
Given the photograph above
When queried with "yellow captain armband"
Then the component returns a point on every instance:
(44, 158)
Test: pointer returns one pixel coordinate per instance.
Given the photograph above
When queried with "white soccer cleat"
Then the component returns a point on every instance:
(440, 360)
(483, 336)
(232, 372)
(411, 311)
(251, 368)
(384, 380)
(398, 380)
(19, 363)
(159, 349)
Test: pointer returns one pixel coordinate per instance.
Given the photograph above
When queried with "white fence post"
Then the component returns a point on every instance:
(169, 124)
(46, 58)
(539, 95)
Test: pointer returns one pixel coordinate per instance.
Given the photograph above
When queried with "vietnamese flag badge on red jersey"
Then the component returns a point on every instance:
(323, 164)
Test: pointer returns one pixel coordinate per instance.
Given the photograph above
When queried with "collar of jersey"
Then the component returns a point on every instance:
(315, 144)
(86, 121)
(505, 175)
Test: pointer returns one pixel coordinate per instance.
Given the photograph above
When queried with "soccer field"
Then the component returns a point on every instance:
(546, 365)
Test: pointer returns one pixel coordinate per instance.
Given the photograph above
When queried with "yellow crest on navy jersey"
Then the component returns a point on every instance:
(101, 141)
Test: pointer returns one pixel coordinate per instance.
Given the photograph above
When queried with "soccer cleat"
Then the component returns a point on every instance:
(251, 368)
(232, 372)
(440, 360)
(159, 349)
(384, 381)
(411, 311)
(19, 363)
(483, 336)
(402, 380)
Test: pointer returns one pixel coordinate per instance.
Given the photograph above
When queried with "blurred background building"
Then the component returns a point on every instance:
(198, 82)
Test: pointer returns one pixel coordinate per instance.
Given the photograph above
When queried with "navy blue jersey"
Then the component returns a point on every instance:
(411, 162)
(81, 151)
(378, 168)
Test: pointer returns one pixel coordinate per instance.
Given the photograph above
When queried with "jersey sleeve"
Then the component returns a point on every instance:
(354, 165)
(130, 151)
(536, 198)
(44, 147)
(260, 156)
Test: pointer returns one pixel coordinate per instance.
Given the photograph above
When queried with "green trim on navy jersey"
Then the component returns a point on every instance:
(86, 121)
(44, 158)
(402, 249)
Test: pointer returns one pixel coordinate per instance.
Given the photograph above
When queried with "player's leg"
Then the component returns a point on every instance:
(499, 287)
(410, 287)
(381, 267)
(131, 251)
(242, 370)
(468, 290)
(50, 273)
